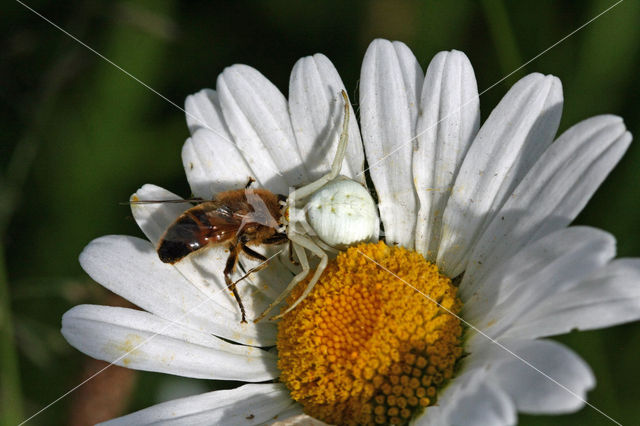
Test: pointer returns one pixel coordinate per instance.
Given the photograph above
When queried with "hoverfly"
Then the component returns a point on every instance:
(239, 218)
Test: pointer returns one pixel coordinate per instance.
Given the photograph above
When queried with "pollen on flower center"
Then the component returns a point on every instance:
(366, 348)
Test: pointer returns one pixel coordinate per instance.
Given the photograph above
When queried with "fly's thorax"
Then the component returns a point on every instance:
(342, 213)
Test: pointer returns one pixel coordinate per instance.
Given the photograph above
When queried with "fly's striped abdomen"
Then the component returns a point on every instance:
(193, 230)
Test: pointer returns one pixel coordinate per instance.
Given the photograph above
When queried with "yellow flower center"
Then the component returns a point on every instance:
(365, 347)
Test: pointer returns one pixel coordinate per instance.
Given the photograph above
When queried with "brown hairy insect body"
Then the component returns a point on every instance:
(240, 218)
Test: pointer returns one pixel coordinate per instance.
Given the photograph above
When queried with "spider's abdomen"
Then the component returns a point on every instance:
(343, 213)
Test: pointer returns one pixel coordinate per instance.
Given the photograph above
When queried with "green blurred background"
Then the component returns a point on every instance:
(79, 136)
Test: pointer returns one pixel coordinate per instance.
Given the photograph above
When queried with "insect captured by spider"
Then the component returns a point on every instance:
(326, 215)
(239, 218)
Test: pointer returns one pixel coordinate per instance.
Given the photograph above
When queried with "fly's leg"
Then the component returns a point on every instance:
(291, 259)
(254, 255)
(228, 270)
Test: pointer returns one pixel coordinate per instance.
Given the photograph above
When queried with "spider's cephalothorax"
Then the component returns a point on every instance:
(326, 215)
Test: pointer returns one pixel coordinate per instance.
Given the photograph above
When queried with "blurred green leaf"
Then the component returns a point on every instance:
(10, 387)
(607, 60)
(503, 37)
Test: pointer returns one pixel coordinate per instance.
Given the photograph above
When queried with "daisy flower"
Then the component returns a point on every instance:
(441, 323)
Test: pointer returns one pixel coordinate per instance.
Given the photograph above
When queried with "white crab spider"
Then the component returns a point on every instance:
(326, 215)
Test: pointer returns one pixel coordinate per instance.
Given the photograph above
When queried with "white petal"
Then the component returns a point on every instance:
(518, 130)
(553, 192)
(317, 113)
(258, 118)
(213, 165)
(203, 112)
(464, 385)
(295, 417)
(204, 269)
(535, 274)
(130, 267)
(142, 341)
(154, 218)
(246, 405)
(557, 383)
(449, 120)
(210, 157)
(610, 297)
(487, 405)
(390, 86)
(513, 273)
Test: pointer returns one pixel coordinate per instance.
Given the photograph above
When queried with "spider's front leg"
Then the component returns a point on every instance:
(304, 262)
(336, 166)
(310, 245)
